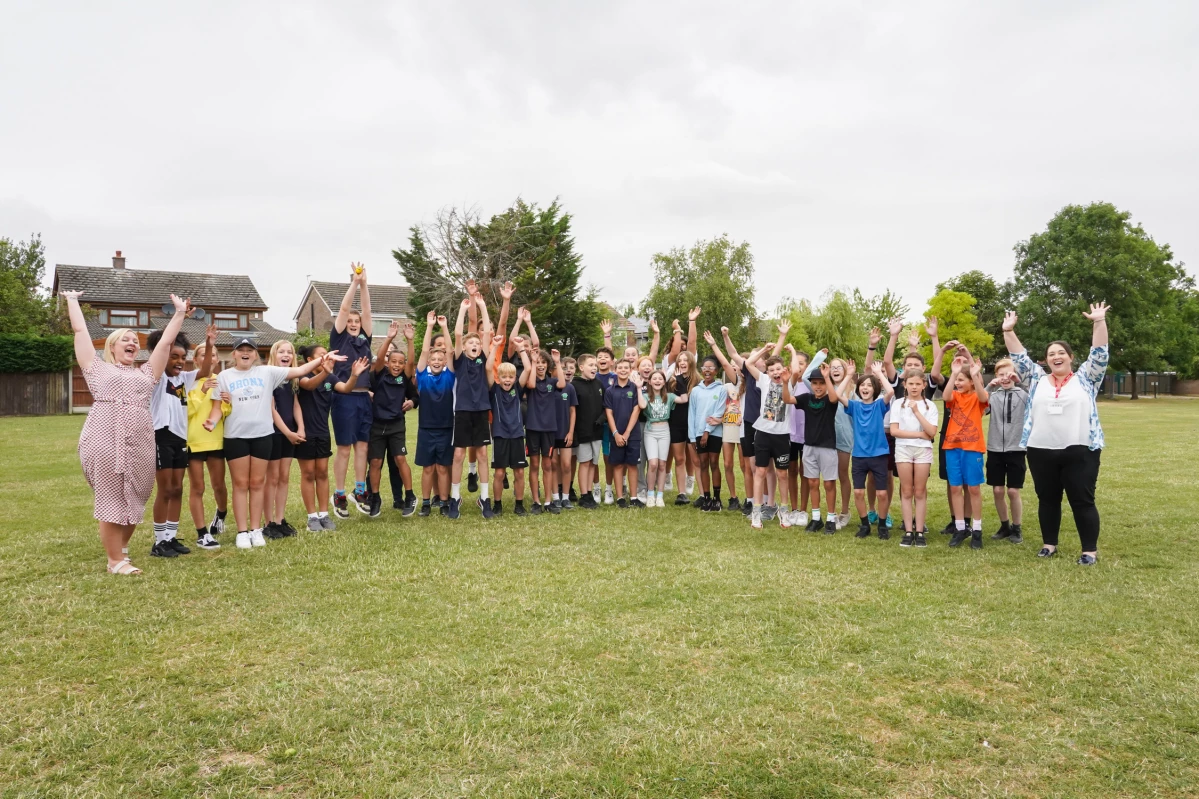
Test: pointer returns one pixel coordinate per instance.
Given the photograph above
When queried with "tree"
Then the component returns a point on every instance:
(716, 275)
(308, 337)
(879, 310)
(1095, 253)
(1182, 343)
(525, 244)
(990, 301)
(23, 306)
(955, 321)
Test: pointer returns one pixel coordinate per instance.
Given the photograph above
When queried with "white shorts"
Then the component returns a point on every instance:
(913, 453)
(589, 452)
(820, 462)
(657, 441)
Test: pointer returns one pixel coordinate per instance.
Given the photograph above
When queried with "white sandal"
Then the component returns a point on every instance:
(124, 567)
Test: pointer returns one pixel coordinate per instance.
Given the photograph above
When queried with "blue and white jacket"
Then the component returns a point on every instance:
(1089, 376)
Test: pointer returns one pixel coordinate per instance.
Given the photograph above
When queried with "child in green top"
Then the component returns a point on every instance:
(660, 403)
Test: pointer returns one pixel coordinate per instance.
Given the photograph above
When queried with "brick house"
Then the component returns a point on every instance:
(136, 298)
(321, 301)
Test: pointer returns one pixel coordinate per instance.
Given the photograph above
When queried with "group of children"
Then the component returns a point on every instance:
(799, 425)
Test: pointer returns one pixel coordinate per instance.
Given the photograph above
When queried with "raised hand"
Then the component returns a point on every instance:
(479, 301)
(693, 314)
(676, 327)
(895, 326)
(522, 313)
(824, 370)
(875, 336)
(393, 329)
(851, 366)
(357, 272)
(519, 343)
(441, 320)
(1098, 312)
(557, 356)
(708, 337)
(430, 318)
(497, 341)
(467, 302)
(410, 330)
(636, 379)
(181, 305)
(952, 344)
(976, 368)
(210, 334)
(360, 365)
(472, 288)
(332, 356)
(784, 327)
(1009, 321)
(877, 369)
(931, 326)
(914, 339)
(507, 290)
(724, 331)
(606, 326)
(789, 348)
(71, 295)
(653, 326)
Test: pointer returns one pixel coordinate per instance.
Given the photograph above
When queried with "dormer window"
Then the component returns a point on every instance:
(231, 321)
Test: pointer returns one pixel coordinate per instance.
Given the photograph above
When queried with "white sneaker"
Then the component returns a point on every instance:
(842, 520)
(755, 519)
(800, 518)
(595, 493)
(661, 502)
(608, 498)
(641, 495)
(243, 541)
(218, 525)
(256, 538)
(690, 486)
(670, 482)
(784, 519)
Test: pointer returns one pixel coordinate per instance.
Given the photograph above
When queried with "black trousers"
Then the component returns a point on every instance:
(1074, 470)
(393, 477)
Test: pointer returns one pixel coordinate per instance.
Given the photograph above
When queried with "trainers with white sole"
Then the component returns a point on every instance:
(755, 519)
(800, 518)
(257, 539)
(608, 498)
(206, 541)
(243, 541)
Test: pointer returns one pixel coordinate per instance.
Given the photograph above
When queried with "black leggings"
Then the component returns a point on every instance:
(1074, 470)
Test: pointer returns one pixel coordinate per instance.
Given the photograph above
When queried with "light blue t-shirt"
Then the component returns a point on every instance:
(869, 432)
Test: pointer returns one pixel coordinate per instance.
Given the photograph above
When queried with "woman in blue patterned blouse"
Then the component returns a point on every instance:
(1062, 431)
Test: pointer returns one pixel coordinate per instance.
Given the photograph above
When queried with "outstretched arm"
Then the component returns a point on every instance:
(410, 359)
(85, 353)
(347, 302)
(606, 329)
(506, 295)
(310, 367)
(1012, 342)
(492, 352)
(1098, 317)
(427, 342)
(366, 302)
(486, 332)
(381, 359)
(730, 371)
(692, 336)
(205, 366)
(457, 340)
(162, 352)
(894, 326)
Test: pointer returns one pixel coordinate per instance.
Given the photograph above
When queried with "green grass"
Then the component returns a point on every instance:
(653, 653)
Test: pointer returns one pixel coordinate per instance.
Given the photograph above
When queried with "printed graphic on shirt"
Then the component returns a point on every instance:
(732, 412)
(967, 432)
(179, 392)
(773, 409)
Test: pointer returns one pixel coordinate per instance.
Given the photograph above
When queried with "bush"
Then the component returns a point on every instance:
(21, 353)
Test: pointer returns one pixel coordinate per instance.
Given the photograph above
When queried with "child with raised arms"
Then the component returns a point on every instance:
(351, 412)
(435, 426)
(472, 406)
(659, 403)
(732, 418)
(205, 449)
(965, 399)
(315, 395)
(772, 436)
(589, 427)
(622, 405)
(914, 426)
(289, 431)
(544, 387)
(507, 425)
(868, 408)
(819, 407)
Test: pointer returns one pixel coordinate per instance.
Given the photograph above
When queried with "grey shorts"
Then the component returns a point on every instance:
(820, 462)
(589, 452)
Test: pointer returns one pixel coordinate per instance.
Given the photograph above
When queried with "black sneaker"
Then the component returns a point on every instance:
(566, 505)
(1016, 536)
(287, 530)
(178, 546)
(884, 532)
(587, 502)
(272, 532)
(622, 503)
(1086, 560)
(163, 549)
(397, 504)
(698, 502)
(375, 506)
(813, 526)
(976, 539)
(472, 482)
(436, 502)
(908, 539)
(519, 508)
(681, 499)
(1002, 533)
(455, 508)
(485, 506)
(830, 526)
(206, 541)
(636, 503)
(714, 506)
(341, 506)
(572, 496)
(555, 507)
(950, 528)
(748, 508)
(920, 542)
(958, 537)
(497, 507)
(409, 507)
(1046, 552)
(426, 509)
(863, 530)
(535, 509)
(444, 509)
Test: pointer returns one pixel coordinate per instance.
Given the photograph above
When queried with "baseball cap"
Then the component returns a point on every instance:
(244, 342)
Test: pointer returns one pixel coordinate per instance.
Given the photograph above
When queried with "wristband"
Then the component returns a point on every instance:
(871, 348)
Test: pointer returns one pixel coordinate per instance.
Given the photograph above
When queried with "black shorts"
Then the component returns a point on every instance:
(876, 466)
(678, 426)
(259, 448)
(560, 444)
(171, 450)
(387, 435)
(540, 443)
(628, 455)
(1006, 469)
(942, 469)
(772, 447)
(281, 448)
(747, 442)
(471, 429)
(314, 449)
(797, 454)
(211, 454)
(712, 447)
(508, 453)
(892, 466)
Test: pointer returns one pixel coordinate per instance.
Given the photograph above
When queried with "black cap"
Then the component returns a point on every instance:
(244, 342)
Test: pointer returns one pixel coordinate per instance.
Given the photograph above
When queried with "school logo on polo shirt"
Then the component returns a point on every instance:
(399, 380)
(565, 396)
(511, 392)
(629, 395)
(361, 337)
(328, 386)
(478, 360)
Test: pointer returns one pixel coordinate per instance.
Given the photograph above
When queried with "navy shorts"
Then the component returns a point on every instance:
(628, 455)
(435, 446)
(352, 418)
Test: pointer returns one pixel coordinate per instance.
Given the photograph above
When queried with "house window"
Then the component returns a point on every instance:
(379, 326)
(121, 318)
(230, 321)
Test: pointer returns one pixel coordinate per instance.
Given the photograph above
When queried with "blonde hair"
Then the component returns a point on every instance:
(1004, 363)
(111, 342)
(506, 369)
(274, 355)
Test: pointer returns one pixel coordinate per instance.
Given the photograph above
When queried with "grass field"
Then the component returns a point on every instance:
(617, 653)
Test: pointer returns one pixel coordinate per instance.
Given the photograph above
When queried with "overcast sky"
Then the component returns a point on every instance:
(860, 144)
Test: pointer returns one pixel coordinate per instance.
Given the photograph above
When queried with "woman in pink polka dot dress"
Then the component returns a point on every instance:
(116, 447)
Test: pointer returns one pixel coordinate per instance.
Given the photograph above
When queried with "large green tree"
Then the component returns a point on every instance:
(991, 299)
(1096, 253)
(530, 246)
(955, 321)
(716, 275)
(24, 307)
(879, 310)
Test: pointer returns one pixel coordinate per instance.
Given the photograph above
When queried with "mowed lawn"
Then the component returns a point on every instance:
(647, 653)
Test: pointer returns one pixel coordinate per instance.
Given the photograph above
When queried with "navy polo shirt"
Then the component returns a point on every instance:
(471, 382)
(567, 399)
(751, 406)
(543, 400)
(390, 393)
(285, 404)
(314, 406)
(621, 400)
(506, 421)
(353, 347)
(436, 399)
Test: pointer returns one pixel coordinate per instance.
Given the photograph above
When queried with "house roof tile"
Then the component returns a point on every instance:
(106, 285)
(387, 301)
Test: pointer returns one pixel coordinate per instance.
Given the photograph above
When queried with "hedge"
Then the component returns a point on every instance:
(21, 353)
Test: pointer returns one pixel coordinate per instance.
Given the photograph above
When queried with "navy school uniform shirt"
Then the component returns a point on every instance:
(470, 376)
(436, 399)
(567, 399)
(314, 406)
(285, 404)
(751, 404)
(607, 379)
(543, 400)
(390, 393)
(589, 415)
(353, 347)
(621, 400)
(507, 420)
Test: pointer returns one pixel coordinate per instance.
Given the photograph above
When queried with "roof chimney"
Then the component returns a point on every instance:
(118, 261)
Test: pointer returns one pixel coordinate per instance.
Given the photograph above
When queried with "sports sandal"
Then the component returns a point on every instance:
(124, 567)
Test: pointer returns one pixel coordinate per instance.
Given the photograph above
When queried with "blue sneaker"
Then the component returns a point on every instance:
(889, 522)
(453, 512)
(872, 517)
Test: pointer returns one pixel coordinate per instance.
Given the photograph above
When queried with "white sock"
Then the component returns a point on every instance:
(483, 490)
(960, 524)
(256, 530)
(454, 491)
(609, 488)
(815, 514)
(321, 514)
(172, 530)
(978, 524)
(160, 532)
(474, 468)
(314, 516)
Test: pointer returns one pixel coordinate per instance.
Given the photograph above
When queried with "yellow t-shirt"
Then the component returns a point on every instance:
(199, 406)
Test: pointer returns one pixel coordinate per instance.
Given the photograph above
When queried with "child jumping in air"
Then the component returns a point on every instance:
(965, 399)
(315, 395)
(1005, 457)
(914, 421)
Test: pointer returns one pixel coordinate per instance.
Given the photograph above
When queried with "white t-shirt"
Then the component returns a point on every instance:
(905, 417)
(773, 418)
(168, 403)
(1060, 421)
(251, 392)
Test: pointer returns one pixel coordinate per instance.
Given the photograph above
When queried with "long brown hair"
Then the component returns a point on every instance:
(692, 374)
(649, 390)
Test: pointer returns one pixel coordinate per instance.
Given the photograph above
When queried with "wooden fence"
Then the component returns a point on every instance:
(37, 394)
